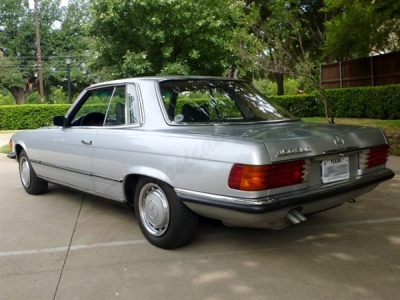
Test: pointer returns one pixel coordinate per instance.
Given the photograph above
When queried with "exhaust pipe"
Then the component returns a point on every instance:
(295, 216)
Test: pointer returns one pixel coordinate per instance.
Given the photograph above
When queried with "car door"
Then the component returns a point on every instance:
(67, 151)
(114, 144)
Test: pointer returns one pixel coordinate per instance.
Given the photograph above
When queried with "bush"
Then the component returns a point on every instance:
(381, 102)
(299, 105)
(29, 116)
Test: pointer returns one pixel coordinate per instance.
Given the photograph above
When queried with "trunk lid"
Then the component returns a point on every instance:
(293, 140)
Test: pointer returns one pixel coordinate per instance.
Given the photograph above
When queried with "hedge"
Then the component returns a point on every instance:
(382, 102)
(28, 116)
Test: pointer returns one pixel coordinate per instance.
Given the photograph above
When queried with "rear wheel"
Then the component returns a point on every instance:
(32, 184)
(163, 219)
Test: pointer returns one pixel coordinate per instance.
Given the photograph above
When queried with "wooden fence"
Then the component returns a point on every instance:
(371, 71)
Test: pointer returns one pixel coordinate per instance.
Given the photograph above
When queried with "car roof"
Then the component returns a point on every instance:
(158, 79)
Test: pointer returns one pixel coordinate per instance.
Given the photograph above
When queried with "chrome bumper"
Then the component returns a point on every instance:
(282, 201)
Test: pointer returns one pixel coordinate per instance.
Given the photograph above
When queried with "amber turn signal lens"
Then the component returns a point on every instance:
(265, 177)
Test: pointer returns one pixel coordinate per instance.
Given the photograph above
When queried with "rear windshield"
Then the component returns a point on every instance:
(217, 101)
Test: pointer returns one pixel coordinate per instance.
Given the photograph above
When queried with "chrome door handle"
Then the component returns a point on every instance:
(86, 142)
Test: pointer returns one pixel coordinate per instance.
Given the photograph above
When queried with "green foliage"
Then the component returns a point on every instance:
(56, 96)
(269, 88)
(300, 105)
(147, 37)
(382, 102)
(15, 117)
(360, 27)
(5, 149)
(6, 98)
(62, 33)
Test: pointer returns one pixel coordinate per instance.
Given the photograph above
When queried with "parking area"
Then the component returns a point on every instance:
(67, 245)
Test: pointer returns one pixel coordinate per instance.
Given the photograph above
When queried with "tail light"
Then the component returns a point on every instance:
(265, 177)
(373, 157)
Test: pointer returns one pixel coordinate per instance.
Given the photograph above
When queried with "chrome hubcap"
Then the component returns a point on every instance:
(154, 209)
(25, 172)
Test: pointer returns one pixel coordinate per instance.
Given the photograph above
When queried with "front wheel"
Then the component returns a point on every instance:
(32, 184)
(163, 219)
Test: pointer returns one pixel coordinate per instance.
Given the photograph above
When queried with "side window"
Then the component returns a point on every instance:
(93, 110)
(134, 114)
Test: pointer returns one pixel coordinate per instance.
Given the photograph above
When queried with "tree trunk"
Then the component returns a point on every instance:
(233, 73)
(279, 83)
(20, 93)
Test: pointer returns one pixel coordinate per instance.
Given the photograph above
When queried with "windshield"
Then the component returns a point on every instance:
(217, 101)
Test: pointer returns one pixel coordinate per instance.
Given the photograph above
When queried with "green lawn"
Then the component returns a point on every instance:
(5, 149)
(391, 128)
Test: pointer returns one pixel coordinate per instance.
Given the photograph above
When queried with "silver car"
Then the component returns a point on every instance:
(176, 148)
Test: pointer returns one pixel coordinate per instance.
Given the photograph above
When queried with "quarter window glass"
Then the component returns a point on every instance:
(133, 105)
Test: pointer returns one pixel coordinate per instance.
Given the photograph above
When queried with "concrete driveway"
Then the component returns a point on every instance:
(67, 245)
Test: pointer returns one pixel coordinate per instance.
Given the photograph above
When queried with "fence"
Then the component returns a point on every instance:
(370, 71)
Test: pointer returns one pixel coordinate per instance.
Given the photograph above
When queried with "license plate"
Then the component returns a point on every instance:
(335, 169)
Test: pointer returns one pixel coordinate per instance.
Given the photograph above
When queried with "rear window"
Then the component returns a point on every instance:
(217, 101)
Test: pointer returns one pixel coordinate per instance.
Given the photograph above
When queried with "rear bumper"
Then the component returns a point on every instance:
(333, 194)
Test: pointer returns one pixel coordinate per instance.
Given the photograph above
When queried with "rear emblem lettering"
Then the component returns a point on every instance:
(287, 152)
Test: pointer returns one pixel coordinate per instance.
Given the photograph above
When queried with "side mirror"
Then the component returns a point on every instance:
(60, 121)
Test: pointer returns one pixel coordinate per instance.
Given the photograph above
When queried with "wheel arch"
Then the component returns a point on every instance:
(18, 149)
(134, 174)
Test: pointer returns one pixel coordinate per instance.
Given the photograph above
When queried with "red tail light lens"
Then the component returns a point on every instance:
(373, 157)
(257, 178)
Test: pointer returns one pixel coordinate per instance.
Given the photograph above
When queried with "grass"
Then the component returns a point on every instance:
(5, 149)
(390, 127)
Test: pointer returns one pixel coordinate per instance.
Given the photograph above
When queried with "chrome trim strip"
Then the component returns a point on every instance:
(227, 199)
(116, 179)
(341, 150)
(120, 180)
(335, 155)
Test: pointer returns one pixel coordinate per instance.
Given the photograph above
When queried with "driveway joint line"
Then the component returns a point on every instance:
(69, 247)
(143, 241)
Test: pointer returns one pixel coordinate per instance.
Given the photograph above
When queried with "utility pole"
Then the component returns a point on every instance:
(39, 52)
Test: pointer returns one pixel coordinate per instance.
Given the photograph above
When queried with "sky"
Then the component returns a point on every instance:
(31, 3)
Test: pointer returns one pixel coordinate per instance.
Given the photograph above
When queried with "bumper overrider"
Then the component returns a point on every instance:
(338, 191)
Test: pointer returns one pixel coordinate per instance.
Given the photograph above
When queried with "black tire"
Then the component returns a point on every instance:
(32, 184)
(163, 219)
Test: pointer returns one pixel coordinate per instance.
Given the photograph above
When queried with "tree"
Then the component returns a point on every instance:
(289, 38)
(147, 37)
(61, 31)
(275, 47)
(362, 27)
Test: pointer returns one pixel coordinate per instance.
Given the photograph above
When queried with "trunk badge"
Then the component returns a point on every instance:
(339, 142)
(287, 152)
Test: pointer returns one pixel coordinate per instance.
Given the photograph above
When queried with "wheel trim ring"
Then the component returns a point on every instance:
(154, 209)
(25, 172)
